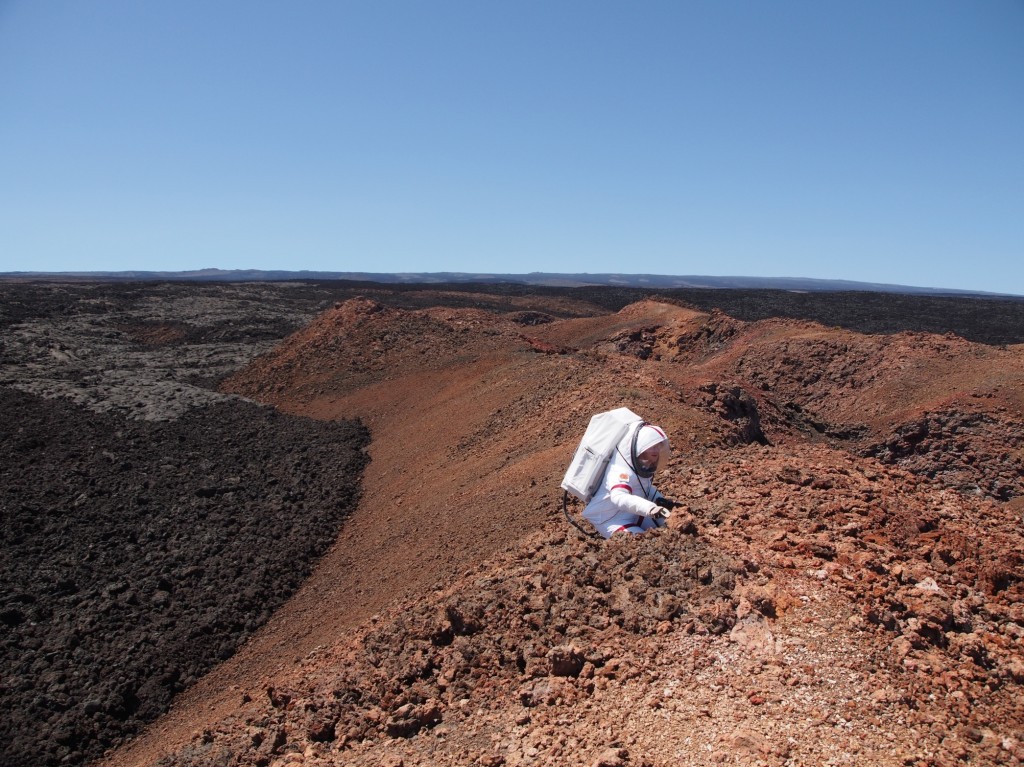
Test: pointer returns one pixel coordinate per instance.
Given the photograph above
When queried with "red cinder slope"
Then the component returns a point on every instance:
(842, 585)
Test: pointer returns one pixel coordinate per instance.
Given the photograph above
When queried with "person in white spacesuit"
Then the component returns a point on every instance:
(628, 501)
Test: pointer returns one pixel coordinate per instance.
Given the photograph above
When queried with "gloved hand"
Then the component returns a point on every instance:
(661, 512)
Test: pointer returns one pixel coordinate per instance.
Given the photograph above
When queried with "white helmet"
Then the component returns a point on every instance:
(645, 437)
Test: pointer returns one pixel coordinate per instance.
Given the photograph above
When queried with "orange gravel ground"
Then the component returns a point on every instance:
(860, 493)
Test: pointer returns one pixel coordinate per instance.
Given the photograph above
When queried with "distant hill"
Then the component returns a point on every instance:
(653, 281)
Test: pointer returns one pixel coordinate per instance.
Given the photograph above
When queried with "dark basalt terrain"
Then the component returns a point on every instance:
(149, 524)
(137, 555)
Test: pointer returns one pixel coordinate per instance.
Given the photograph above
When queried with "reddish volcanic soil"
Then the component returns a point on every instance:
(843, 584)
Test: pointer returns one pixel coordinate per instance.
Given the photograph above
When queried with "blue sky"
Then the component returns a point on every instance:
(872, 141)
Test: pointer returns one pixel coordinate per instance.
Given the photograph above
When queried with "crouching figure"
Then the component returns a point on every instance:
(627, 500)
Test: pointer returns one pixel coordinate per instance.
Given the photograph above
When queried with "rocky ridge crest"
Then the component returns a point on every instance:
(860, 495)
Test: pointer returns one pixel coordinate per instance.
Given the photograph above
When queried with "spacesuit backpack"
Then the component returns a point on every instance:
(585, 473)
(595, 450)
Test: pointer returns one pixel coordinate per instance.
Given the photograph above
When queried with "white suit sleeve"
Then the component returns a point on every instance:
(622, 497)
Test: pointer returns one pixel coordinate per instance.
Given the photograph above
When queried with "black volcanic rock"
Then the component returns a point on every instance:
(137, 555)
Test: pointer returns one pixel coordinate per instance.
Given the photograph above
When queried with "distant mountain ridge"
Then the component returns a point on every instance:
(653, 281)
